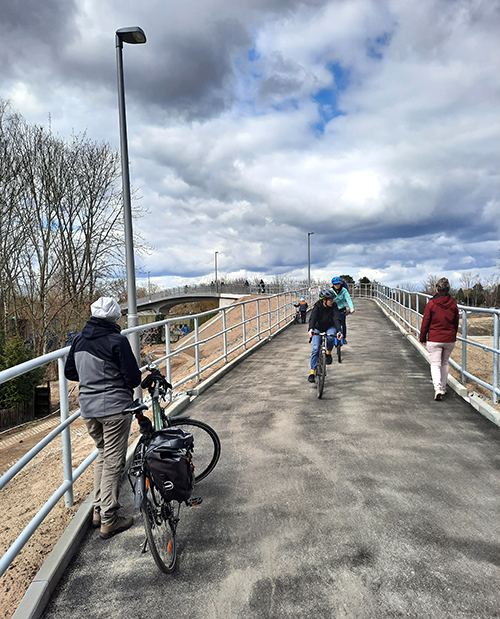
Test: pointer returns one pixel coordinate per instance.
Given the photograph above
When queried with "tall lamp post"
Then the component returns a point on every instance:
(134, 35)
(216, 285)
(309, 259)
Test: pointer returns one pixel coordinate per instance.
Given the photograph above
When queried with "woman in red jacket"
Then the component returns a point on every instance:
(439, 329)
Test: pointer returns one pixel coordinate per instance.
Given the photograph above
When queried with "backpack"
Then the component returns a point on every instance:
(169, 463)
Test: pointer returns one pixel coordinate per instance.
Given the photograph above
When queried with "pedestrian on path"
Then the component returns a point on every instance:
(439, 329)
(101, 359)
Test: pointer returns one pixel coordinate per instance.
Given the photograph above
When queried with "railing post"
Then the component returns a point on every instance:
(269, 314)
(244, 327)
(417, 307)
(258, 320)
(66, 433)
(167, 352)
(224, 337)
(496, 345)
(464, 345)
(197, 349)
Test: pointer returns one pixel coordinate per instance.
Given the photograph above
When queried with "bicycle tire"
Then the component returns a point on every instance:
(206, 451)
(321, 371)
(158, 519)
(339, 352)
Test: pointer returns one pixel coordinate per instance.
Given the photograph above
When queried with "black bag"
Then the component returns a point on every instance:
(169, 463)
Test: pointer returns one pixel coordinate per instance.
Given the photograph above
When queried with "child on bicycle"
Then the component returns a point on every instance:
(302, 307)
(342, 298)
(324, 318)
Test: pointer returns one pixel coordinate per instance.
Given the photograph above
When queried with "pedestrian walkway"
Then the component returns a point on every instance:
(373, 502)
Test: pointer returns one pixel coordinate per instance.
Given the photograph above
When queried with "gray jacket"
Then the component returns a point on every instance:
(101, 359)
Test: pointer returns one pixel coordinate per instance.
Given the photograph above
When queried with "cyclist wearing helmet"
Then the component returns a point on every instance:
(341, 295)
(324, 318)
(302, 307)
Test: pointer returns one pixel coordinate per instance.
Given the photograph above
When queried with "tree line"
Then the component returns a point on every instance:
(61, 230)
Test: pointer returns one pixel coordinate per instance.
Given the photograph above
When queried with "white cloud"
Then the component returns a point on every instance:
(235, 144)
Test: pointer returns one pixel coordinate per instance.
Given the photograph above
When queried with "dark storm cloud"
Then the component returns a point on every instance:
(34, 32)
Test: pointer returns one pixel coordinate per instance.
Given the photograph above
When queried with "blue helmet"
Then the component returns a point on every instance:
(336, 280)
(302, 298)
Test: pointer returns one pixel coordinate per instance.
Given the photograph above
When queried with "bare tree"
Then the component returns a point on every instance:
(61, 225)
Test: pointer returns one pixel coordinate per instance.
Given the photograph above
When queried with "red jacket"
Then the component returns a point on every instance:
(440, 321)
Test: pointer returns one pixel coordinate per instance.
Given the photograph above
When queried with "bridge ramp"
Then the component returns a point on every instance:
(372, 502)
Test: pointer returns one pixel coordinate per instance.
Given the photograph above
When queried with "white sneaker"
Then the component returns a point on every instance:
(438, 395)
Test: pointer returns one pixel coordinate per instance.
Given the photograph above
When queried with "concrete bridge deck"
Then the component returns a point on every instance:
(373, 502)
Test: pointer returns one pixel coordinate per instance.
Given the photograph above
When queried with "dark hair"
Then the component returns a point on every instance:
(443, 285)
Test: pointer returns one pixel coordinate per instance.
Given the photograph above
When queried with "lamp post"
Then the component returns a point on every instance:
(216, 285)
(149, 286)
(309, 259)
(134, 35)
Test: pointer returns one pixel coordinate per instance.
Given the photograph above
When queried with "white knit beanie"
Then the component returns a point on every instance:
(106, 308)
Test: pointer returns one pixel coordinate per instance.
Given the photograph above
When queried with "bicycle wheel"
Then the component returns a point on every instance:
(160, 523)
(339, 351)
(206, 451)
(321, 371)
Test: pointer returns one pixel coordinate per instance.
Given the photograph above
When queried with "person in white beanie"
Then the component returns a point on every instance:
(101, 359)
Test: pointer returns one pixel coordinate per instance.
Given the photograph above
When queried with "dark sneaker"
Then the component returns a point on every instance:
(96, 519)
(328, 359)
(311, 378)
(119, 524)
(344, 342)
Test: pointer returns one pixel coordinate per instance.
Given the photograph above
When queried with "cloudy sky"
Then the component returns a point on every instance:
(372, 123)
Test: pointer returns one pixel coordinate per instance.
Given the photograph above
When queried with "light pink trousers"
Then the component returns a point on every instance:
(439, 353)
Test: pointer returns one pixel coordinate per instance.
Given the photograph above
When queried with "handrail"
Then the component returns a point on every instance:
(269, 320)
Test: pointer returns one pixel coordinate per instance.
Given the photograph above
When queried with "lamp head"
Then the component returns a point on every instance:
(132, 35)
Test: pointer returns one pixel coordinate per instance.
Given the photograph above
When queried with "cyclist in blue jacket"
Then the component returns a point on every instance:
(342, 299)
(324, 319)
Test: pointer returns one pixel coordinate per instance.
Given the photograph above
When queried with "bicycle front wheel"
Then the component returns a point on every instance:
(339, 352)
(206, 450)
(160, 523)
(320, 372)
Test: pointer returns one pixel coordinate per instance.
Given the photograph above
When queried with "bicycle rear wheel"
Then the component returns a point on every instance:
(339, 351)
(160, 523)
(206, 451)
(320, 372)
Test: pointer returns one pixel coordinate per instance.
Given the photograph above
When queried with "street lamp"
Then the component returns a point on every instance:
(309, 259)
(134, 35)
(216, 285)
(149, 286)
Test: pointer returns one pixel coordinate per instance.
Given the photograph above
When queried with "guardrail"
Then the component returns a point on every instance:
(246, 323)
(407, 307)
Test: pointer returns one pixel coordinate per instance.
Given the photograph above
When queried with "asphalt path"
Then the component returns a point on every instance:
(373, 502)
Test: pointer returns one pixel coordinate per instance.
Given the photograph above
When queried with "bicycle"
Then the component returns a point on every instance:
(161, 516)
(321, 365)
(296, 319)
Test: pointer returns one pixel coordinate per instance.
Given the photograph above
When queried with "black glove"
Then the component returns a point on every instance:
(150, 381)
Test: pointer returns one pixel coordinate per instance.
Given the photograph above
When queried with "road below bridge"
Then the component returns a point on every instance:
(372, 502)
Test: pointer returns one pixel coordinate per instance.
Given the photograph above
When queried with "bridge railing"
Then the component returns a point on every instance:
(407, 307)
(212, 289)
(236, 328)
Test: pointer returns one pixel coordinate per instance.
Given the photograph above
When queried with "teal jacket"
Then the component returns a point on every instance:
(341, 297)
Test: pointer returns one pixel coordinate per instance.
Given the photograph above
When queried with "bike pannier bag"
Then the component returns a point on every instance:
(169, 463)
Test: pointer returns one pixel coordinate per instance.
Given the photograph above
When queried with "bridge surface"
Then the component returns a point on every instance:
(372, 502)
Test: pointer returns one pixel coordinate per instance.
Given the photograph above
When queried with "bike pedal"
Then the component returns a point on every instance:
(194, 501)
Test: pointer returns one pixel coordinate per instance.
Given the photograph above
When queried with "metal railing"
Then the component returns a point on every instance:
(235, 329)
(407, 307)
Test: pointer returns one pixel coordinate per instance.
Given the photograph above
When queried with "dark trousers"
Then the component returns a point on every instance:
(343, 322)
